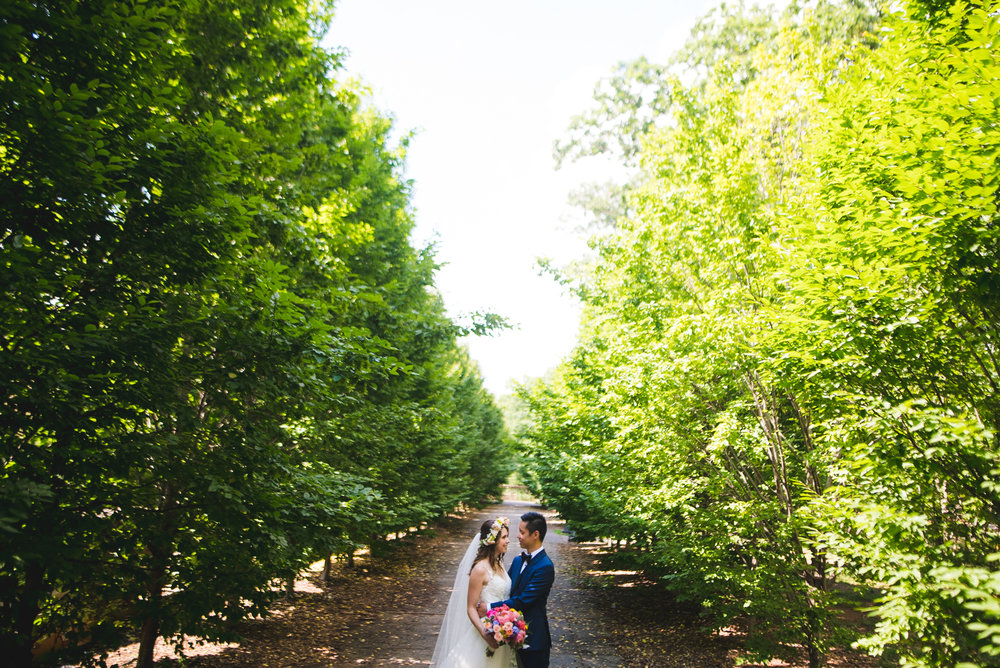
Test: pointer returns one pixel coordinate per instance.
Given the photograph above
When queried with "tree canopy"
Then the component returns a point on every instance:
(784, 393)
(222, 357)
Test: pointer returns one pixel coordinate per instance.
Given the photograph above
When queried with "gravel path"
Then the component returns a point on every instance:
(386, 611)
(572, 612)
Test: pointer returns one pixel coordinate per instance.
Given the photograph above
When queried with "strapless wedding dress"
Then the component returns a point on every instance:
(469, 649)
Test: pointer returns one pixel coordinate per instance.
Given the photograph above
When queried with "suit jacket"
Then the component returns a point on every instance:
(529, 592)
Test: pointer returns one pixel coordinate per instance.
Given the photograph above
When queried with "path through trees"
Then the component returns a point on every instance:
(387, 610)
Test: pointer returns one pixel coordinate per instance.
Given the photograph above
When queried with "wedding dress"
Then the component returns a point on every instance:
(459, 644)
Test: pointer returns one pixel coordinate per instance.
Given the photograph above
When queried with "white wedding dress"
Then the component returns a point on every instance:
(459, 644)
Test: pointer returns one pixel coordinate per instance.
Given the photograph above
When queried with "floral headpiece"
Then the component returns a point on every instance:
(491, 537)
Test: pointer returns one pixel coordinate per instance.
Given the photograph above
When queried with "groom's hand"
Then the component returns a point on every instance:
(482, 609)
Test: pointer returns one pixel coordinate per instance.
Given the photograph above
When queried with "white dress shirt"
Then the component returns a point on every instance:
(524, 562)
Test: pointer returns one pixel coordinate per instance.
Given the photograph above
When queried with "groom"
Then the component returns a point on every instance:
(531, 577)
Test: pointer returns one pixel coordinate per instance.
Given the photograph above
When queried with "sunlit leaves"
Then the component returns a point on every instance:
(788, 368)
(221, 355)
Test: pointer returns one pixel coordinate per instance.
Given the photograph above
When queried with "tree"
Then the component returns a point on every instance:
(637, 98)
(897, 301)
(221, 353)
(786, 367)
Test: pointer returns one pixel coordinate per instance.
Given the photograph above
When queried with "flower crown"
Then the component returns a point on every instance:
(491, 537)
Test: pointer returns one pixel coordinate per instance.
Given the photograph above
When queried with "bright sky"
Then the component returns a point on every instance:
(488, 87)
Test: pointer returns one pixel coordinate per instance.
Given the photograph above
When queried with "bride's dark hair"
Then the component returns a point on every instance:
(490, 551)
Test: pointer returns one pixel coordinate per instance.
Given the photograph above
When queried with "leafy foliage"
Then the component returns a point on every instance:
(787, 371)
(221, 356)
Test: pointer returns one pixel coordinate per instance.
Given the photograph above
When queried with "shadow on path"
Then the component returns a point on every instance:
(576, 636)
(386, 611)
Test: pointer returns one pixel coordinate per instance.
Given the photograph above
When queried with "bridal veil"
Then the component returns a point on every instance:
(456, 616)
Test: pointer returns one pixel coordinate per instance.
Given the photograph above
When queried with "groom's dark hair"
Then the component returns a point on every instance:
(534, 522)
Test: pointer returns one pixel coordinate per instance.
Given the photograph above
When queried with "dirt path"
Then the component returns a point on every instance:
(387, 612)
(572, 613)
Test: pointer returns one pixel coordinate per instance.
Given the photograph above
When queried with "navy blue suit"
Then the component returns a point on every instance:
(529, 592)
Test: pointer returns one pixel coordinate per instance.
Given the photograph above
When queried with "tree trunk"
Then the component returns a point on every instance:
(768, 418)
(17, 646)
(812, 633)
(147, 641)
(151, 623)
(815, 658)
(327, 565)
(160, 550)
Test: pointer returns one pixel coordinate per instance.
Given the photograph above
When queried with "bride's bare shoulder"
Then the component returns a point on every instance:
(481, 569)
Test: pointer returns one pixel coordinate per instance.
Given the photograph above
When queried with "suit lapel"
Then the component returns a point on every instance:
(522, 576)
(516, 579)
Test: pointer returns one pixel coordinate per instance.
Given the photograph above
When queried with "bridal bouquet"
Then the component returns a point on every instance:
(507, 626)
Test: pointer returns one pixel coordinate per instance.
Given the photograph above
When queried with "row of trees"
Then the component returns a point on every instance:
(786, 389)
(221, 357)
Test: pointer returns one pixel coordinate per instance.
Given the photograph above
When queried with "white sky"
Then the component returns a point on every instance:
(488, 87)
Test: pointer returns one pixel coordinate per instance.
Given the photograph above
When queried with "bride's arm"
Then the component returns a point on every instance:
(477, 580)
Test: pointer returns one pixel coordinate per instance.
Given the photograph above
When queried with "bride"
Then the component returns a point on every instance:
(463, 640)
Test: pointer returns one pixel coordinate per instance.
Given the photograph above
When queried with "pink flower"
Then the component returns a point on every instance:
(506, 625)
